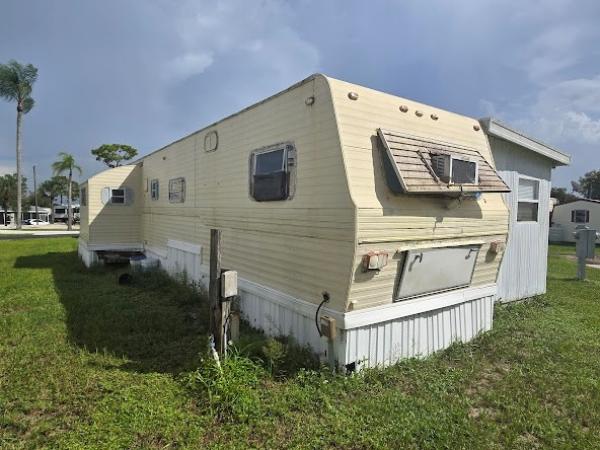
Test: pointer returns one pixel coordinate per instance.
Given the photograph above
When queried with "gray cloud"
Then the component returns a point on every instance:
(145, 73)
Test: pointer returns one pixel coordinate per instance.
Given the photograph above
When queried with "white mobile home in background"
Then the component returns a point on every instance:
(525, 164)
(581, 213)
(392, 207)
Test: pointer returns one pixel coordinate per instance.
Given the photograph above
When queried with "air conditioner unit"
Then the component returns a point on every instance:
(454, 170)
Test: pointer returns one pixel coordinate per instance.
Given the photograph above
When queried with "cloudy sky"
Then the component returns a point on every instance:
(145, 72)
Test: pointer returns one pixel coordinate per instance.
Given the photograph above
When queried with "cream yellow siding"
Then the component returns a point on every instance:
(113, 224)
(302, 246)
(84, 227)
(341, 209)
(394, 223)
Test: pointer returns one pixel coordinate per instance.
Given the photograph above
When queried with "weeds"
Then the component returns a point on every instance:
(229, 389)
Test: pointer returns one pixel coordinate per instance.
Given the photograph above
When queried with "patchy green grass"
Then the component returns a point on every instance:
(86, 363)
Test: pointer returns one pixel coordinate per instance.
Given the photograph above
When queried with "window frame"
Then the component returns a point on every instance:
(586, 213)
(535, 201)
(182, 192)
(288, 166)
(112, 196)
(154, 193)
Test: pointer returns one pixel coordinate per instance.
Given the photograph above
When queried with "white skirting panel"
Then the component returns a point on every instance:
(277, 319)
(372, 337)
(87, 256)
(418, 335)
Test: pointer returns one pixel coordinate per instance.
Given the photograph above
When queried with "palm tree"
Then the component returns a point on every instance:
(16, 84)
(66, 163)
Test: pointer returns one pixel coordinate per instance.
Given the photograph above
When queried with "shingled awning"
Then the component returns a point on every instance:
(408, 166)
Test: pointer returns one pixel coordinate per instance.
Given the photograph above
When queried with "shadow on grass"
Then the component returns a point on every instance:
(155, 324)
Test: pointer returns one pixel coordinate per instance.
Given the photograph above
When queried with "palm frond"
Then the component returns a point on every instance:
(16, 81)
(28, 104)
(65, 163)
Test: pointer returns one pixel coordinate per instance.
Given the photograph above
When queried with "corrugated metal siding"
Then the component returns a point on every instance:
(180, 262)
(276, 319)
(524, 267)
(416, 336)
(376, 344)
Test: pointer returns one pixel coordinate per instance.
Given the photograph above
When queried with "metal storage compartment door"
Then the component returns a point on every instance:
(436, 269)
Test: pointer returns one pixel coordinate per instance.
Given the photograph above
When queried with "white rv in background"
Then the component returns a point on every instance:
(60, 213)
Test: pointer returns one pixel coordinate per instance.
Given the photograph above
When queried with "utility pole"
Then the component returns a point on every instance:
(37, 216)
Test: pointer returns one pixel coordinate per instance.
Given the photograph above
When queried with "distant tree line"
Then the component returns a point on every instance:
(588, 186)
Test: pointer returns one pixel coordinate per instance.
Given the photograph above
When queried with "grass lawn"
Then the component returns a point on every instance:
(86, 363)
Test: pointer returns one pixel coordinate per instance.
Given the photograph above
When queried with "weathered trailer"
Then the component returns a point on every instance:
(390, 207)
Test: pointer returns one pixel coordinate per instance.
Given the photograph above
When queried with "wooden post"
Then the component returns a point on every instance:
(225, 309)
(214, 290)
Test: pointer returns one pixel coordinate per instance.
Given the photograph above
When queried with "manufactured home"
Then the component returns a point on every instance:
(525, 164)
(391, 209)
(567, 218)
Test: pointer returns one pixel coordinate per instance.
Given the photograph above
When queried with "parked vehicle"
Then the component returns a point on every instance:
(37, 222)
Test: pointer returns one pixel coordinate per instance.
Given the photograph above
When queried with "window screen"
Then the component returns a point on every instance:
(463, 171)
(177, 190)
(272, 173)
(580, 216)
(528, 200)
(117, 196)
(83, 196)
(154, 189)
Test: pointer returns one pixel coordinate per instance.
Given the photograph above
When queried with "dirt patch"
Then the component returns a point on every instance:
(592, 261)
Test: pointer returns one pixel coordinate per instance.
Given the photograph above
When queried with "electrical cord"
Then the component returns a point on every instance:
(326, 299)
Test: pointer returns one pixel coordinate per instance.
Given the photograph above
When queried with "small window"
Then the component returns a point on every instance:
(154, 189)
(117, 196)
(177, 190)
(454, 170)
(272, 173)
(580, 216)
(211, 141)
(83, 196)
(528, 204)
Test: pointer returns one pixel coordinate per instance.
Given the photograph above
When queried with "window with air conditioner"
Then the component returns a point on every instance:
(528, 200)
(454, 170)
(272, 173)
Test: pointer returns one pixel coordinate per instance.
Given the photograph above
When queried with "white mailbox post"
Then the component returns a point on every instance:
(585, 247)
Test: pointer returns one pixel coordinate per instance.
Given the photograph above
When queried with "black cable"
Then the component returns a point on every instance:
(326, 299)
